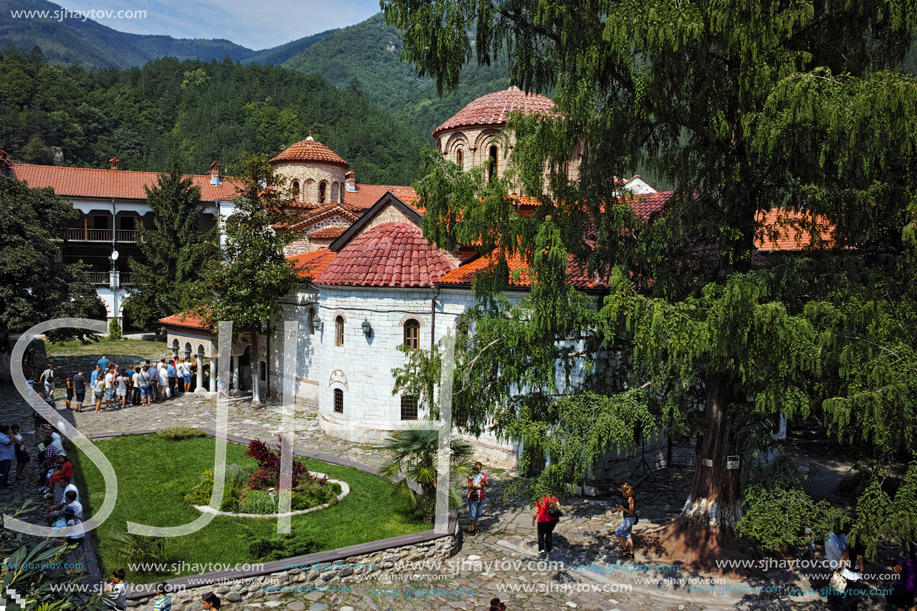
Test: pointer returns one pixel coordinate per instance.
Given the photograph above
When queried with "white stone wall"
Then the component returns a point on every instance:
(304, 372)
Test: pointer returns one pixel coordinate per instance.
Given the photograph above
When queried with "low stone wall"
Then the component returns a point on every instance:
(303, 574)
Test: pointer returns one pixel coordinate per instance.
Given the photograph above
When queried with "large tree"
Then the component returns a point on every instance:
(175, 251)
(34, 285)
(744, 107)
(245, 284)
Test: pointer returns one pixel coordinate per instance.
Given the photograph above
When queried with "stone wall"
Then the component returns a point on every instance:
(302, 573)
(309, 175)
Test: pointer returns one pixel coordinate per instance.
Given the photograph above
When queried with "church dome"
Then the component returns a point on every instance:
(494, 109)
(310, 150)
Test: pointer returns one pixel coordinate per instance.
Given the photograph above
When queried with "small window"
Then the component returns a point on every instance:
(408, 407)
(341, 191)
(295, 189)
(412, 334)
(338, 401)
(262, 369)
(339, 328)
(492, 162)
(460, 158)
(322, 187)
(310, 321)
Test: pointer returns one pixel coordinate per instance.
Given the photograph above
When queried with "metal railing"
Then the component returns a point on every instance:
(104, 278)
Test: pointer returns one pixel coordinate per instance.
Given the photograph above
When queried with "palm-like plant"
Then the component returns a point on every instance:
(413, 455)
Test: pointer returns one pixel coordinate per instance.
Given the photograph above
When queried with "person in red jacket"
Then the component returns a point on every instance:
(546, 522)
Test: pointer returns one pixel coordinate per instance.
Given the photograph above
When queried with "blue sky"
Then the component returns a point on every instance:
(257, 24)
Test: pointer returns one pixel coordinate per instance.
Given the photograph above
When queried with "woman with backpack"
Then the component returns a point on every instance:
(547, 513)
(629, 510)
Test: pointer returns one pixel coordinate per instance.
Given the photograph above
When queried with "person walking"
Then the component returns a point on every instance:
(7, 454)
(477, 482)
(547, 513)
(22, 457)
(47, 379)
(79, 389)
(69, 387)
(629, 511)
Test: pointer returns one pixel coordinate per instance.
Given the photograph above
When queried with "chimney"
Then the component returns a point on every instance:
(215, 173)
(350, 180)
(5, 164)
(113, 163)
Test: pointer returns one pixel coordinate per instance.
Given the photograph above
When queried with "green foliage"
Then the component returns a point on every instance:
(776, 517)
(413, 455)
(177, 433)
(137, 549)
(34, 286)
(872, 523)
(174, 252)
(258, 501)
(278, 547)
(114, 329)
(31, 565)
(144, 116)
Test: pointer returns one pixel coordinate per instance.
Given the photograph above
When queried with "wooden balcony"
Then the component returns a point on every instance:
(77, 234)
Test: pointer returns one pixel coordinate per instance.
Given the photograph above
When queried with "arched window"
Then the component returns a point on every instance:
(408, 407)
(295, 189)
(338, 401)
(339, 330)
(492, 162)
(322, 187)
(460, 158)
(412, 334)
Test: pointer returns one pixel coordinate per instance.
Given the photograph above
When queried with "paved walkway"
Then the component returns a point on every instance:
(500, 561)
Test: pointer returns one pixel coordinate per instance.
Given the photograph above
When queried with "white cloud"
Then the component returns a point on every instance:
(256, 25)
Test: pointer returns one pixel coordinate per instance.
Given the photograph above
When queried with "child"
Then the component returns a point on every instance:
(22, 457)
(117, 589)
(163, 600)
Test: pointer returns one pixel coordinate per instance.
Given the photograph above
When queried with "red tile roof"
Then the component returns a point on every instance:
(310, 150)
(390, 254)
(311, 264)
(367, 195)
(519, 276)
(187, 320)
(645, 204)
(494, 109)
(327, 233)
(781, 229)
(107, 184)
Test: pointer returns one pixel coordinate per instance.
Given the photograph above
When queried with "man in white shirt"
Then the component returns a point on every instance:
(70, 500)
(109, 387)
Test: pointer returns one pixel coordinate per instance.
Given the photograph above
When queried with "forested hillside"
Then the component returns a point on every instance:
(369, 52)
(206, 111)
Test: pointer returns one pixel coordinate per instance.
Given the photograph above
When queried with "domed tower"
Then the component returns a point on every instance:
(314, 173)
(474, 136)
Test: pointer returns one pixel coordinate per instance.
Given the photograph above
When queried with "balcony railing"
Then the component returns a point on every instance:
(76, 234)
(104, 278)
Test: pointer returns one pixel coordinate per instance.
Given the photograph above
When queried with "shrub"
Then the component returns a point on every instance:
(237, 476)
(262, 479)
(258, 501)
(278, 547)
(200, 494)
(114, 329)
(177, 433)
(138, 549)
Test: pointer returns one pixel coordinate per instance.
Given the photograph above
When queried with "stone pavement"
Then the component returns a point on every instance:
(500, 561)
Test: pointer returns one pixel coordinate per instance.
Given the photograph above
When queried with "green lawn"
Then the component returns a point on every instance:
(154, 475)
(131, 347)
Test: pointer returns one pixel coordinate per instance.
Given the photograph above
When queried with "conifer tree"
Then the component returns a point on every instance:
(744, 107)
(251, 275)
(175, 250)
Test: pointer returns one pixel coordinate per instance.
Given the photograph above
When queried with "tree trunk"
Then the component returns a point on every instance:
(253, 366)
(702, 535)
(715, 500)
